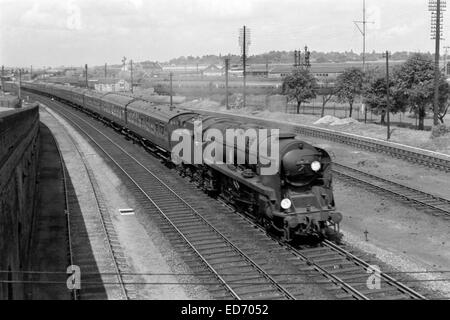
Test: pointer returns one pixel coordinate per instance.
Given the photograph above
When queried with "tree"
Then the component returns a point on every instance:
(376, 99)
(443, 113)
(349, 86)
(327, 94)
(299, 86)
(415, 79)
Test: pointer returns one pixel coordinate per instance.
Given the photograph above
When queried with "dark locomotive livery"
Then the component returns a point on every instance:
(296, 203)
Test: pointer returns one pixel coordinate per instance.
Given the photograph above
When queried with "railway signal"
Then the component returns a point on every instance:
(307, 63)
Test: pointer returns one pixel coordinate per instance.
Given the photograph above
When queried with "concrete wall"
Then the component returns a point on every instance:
(18, 173)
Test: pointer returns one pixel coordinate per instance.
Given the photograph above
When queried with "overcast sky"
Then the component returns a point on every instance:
(74, 32)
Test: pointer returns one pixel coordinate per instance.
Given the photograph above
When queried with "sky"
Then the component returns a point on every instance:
(75, 32)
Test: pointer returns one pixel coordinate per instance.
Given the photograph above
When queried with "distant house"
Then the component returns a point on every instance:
(212, 71)
(110, 85)
(280, 71)
(258, 70)
(236, 70)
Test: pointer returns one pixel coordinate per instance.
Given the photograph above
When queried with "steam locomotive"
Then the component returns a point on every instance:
(295, 202)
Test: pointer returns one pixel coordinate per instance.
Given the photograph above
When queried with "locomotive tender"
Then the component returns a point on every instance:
(296, 203)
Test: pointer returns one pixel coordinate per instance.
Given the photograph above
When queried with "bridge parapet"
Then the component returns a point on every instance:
(19, 148)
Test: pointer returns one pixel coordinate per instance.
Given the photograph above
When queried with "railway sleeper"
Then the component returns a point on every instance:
(239, 279)
(327, 258)
(337, 265)
(255, 290)
(344, 271)
(224, 260)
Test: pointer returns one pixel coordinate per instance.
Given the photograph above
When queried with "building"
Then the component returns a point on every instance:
(327, 72)
(258, 70)
(110, 85)
(213, 71)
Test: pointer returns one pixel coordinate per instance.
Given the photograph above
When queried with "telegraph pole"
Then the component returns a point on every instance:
(364, 23)
(171, 90)
(295, 59)
(244, 58)
(227, 65)
(131, 74)
(31, 73)
(3, 81)
(388, 104)
(244, 42)
(20, 85)
(436, 7)
(86, 75)
(299, 58)
(106, 70)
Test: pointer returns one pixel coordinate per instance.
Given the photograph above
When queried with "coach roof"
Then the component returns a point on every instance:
(117, 99)
(161, 112)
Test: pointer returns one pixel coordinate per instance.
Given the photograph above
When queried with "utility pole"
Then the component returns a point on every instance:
(3, 81)
(244, 58)
(20, 89)
(86, 75)
(106, 71)
(364, 23)
(267, 67)
(171, 90)
(295, 59)
(388, 104)
(436, 7)
(131, 74)
(227, 65)
(299, 58)
(244, 42)
(31, 73)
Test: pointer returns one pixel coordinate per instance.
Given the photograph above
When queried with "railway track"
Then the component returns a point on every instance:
(112, 265)
(410, 154)
(238, 274)
(345, 273)
(349, 273)
(432, 203)
(70, 254)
